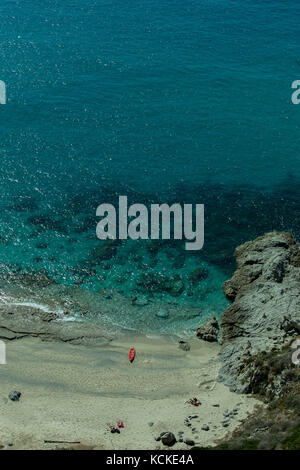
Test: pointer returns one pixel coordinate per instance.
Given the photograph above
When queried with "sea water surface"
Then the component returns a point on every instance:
(162, 101)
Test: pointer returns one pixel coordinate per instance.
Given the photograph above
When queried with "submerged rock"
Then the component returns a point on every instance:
(162, 313)
(157, 282)
(47, 222)
(36, 280)
(24, 204)
(265, 295)
(105, 250)
(198, 275)
(209, 331)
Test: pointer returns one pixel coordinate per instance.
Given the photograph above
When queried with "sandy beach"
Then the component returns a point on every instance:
(71, 392)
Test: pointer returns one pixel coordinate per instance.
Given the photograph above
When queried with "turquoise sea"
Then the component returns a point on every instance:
(162, 101)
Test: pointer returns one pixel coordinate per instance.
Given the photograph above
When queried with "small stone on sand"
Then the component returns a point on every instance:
(168, 439)
(14, 395)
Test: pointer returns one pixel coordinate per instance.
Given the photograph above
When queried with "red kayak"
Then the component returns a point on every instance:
(131, 355)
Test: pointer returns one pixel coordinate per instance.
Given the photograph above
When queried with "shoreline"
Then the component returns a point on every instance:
(109, 310)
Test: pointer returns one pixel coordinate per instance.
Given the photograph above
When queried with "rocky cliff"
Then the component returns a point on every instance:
(264, 316)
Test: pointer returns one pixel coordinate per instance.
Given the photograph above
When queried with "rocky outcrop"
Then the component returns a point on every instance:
(209, 331)
(265, 310)
(18, 321)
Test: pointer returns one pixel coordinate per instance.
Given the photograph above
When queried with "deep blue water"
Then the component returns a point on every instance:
(178, 100)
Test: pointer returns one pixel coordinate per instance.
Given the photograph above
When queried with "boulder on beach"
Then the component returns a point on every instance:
(184, 345)
(168, 439)
(209, 331)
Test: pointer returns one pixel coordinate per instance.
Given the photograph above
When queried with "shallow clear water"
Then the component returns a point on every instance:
(182, 101)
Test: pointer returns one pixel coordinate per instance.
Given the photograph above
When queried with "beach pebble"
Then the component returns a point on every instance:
(14, 395)
(189, 442)
(205, 427)
(168, 439)
(184, 345)
(216, 405)
(115, 431)
(150, 424)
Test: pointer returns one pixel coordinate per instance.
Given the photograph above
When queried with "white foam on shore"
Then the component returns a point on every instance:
(42, 307)
(153, 336)
(46, 309)
(67, 318)
(120, 326)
